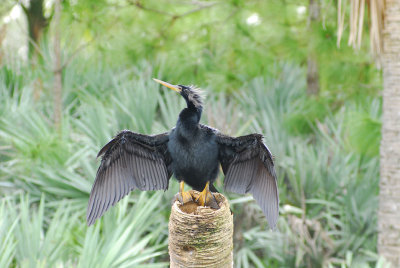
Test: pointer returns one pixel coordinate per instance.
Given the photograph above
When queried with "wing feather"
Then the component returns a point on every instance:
(117, 185)
(130, 161)
(248, 167)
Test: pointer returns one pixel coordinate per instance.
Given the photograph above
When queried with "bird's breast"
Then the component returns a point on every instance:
(195, 156)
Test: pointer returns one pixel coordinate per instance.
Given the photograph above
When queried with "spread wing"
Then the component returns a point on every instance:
(248, 167)
(130, 161)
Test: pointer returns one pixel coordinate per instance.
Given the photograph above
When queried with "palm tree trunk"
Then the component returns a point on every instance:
(389, 207)
(201, 236)
(57, 99)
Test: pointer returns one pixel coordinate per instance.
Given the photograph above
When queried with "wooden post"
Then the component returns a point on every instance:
(201, 236)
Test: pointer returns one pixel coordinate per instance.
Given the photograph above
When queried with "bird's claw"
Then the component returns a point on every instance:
(184, 197)
(206, 198)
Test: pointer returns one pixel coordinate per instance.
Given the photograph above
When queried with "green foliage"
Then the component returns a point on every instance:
(127, 238)
(325, 146)
(328, 189)
(364, 127)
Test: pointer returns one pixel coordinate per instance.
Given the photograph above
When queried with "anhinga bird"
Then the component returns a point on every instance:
(193, 153)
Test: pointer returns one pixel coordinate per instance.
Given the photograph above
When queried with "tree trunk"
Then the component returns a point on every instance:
(312, 75)
(201, 236)
(312, 63)
(36, 25)
(3, 30)
(389, 206)
(57, 67)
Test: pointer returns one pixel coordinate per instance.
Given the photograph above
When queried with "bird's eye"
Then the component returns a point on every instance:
(183, 89)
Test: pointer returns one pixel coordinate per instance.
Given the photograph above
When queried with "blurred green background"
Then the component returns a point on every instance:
(267, 66)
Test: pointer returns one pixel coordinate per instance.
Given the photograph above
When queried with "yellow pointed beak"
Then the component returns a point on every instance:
(168, 85)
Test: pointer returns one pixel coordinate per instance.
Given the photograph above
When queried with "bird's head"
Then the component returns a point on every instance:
(192, 94)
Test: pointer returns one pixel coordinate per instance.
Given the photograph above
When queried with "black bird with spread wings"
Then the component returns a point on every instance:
(193, 153)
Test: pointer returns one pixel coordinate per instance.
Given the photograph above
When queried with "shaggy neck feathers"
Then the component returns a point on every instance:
(189, 117)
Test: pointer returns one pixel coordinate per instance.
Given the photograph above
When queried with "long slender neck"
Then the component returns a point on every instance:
(189, 118)
(188, 121)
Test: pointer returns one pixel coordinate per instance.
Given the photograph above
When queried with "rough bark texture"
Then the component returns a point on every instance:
(312, 62)
(312, 75)
(57, 67)
(201, 236)
(36, 24)
(3, 31)
(389, 207)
